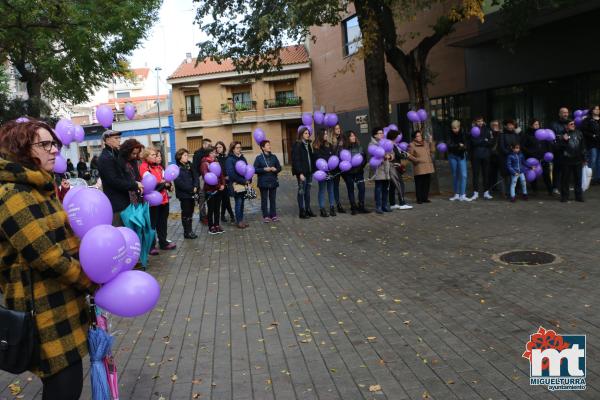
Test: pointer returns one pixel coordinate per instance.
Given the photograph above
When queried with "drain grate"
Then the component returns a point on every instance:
(527, 257)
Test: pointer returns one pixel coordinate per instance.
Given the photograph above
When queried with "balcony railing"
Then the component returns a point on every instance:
(191, 114)
(283, 102)
(239, 106)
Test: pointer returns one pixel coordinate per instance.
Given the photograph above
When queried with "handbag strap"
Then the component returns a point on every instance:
(32, 301)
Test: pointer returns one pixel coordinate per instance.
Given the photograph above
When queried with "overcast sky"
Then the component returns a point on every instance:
(171, 37)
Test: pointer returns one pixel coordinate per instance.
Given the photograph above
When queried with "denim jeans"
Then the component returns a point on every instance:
(382, 194)
(513, 184)
(359, 180)
(458, 166)
(239, 207)
(304, 192)
(326, 185)
(336, 188)
(594, 162)
(268, 194)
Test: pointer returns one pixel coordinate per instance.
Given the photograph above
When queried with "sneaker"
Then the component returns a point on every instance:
(454, 198)
(556, 191)
(154, 252)
(267, 220)
(475, 196)
(219, 229)
(405, 207)
(378, 211)
(464, 198)
(396, 207)
(275, 218)
(386, 209)
(170, 246)
(213, 230)
(487, 196)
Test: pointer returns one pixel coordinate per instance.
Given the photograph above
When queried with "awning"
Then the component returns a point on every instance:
(238, 82)
(277, 78)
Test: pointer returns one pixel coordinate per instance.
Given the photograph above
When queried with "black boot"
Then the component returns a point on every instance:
(362, 209)
(310, 213)
(340, 209)
(303, 214)
(187, 229)
(324, 213)
(353, 209)
(332, 211)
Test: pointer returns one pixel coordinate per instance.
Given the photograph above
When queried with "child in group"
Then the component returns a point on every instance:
(515, 163)
(213, 193)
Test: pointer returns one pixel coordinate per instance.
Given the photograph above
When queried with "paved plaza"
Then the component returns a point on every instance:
(408, 305)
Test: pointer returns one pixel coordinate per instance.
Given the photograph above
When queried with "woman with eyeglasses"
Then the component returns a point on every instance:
(237, 183)
(39, 267)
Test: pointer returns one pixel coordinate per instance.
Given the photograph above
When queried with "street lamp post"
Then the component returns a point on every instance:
(160, 132)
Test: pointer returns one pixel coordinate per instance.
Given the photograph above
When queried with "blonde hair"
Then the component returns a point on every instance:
(455, 124)
(147, 150)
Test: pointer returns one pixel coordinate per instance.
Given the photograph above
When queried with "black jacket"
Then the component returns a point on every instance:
(453, 140)
(184, 184)
(303, 160)
(531, 147)
(572, 151)
(196, 161)
(230, 171)
(116, 181)
(591, 132)
(267, 179)
(481, 147)
(506, 141)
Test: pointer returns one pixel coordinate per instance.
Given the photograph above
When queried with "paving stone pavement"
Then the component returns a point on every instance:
(328, 308)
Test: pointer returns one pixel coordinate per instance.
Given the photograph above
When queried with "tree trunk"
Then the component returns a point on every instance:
(34, 88)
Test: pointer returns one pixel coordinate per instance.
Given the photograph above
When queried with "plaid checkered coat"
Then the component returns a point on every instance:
(34, 231)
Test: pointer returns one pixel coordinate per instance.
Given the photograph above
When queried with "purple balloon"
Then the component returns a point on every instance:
(129, 111)
(60, 164)
(412, 116)
(393, 127)
(548, 156)
(215, 168)
(20, 120)
(345, 155)
(259, 135)
(102, 252)
(357, 160)
(87, 209)
(171, 172)
(320, 176)
(379, 152)
(532, 162)
(153, 198)
(541, 134)
(133, 248)
(78, 133)
(538, 171)
(333, 162)
(307, 118)
(422, 115)
(65, 131)
(398, 138)
(530, 175)
(318, 117)
(130, 294)
(249, 172)
(585, 112)
(375, 162)
(403, 146)
(578, 114)
(330, 120)
(211, 179)
(322, 164)
(104, 115)
(387, 145)
(149, 182)
(578, 121)
(372, 149)
(70, 194)
(240, 167)
(346, 165)
(475, 131)
(386, 130)
(550, 135)
(442, 147)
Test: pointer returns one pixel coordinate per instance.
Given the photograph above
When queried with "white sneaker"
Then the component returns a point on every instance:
(487, 196)
(556, 191)
(464, 198)
(396, 207)
(405, 207)
(455, 197)
(475, 196)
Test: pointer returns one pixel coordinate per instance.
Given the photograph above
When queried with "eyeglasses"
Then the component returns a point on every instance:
(48, 144)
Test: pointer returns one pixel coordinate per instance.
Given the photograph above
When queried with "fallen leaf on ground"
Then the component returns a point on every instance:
(374, 388)
(15, 389)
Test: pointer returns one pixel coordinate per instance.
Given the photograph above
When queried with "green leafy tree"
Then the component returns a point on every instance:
(65, 49)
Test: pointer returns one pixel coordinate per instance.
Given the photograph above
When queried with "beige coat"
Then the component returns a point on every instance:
(420, 155)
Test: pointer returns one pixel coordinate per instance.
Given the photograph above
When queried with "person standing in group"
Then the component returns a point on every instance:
(94, 163)
(396, 176)
(481, 153)
(572, 158)
(40, 270)
(420, 154)
(496, 167)
(226, 200)
(533, 148)
(381, 175)
(196, 161)
(185, 190)
(515, 165)
(238, 183)
(457, 157)
(159, 215)
(356, 175)
(591, 133)
(267, 168)
(302, 168)
(213, 193)
(117, 184)
(337, 141)
(507, 140)
(81, 168)
(70, 166)
(559, 127)
(323, 149)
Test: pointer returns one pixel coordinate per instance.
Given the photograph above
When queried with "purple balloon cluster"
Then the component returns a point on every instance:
(329, 119)
(545, 135)
(417, 116)
(378, 151)
(68, 132)
(392, 127)
(247, 171)
(579, 115)
(108, 255)
(214, 171)
(535, 169)
(151, 196)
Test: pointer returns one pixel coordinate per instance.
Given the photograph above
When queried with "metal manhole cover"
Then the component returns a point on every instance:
(527, 257)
